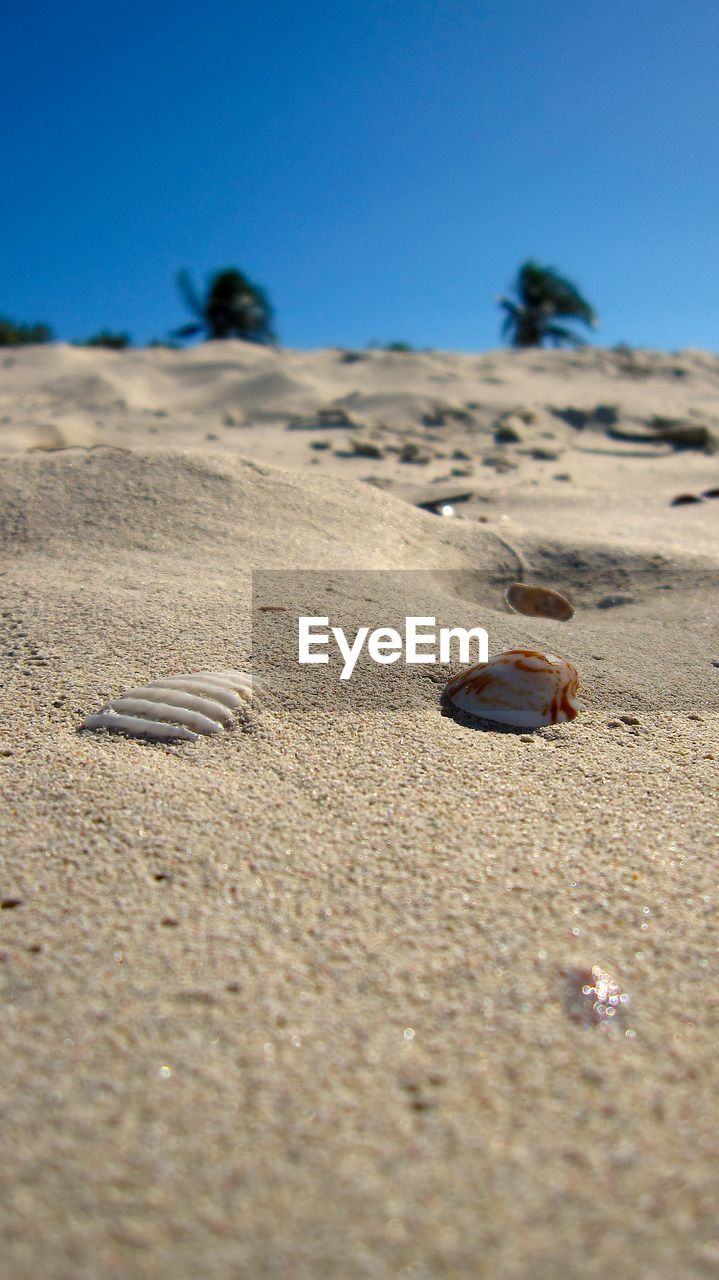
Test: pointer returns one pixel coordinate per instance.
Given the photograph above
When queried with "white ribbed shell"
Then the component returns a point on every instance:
(176, 706)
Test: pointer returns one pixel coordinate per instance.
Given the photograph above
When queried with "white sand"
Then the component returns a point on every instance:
(291, 1002)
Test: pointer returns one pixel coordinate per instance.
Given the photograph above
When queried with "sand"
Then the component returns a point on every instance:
(300, 1000)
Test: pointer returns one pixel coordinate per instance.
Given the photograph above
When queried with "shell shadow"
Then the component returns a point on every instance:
(467, 721)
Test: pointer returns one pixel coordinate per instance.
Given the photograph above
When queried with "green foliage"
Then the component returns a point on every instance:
(543, 297)
(375, 345)
(17, 335)
(105, 338)
(231, 307)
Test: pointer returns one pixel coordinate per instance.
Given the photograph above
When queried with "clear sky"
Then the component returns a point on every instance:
(381, 168)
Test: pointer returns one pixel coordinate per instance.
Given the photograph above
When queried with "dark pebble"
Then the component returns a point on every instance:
(613, 602)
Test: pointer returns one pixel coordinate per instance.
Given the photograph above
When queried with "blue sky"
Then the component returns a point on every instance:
(381, 168)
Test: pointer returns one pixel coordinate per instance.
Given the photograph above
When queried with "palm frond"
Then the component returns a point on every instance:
(559, 333)
(511, 319)
(187, 331)
(189, 294)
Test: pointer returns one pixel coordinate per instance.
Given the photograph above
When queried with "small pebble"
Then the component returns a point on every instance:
(629, 719)
(411, 452)
(509, 431)
(365, 448)
(499, 462)
(613, 602)
(545, 455)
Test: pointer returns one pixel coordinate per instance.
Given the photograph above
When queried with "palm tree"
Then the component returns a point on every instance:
(17, 335)
(232, 307)
(542, 297)
(106, 338)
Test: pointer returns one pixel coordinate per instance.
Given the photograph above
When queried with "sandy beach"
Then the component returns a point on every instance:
(299, 1001)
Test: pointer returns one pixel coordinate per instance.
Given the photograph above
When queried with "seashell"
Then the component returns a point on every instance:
(520, 687)
(176, 706)
(539, 602)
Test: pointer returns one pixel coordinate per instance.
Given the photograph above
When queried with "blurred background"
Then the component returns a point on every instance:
(382, 169)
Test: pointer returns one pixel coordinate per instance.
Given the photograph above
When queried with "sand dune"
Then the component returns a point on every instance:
(300, 1000)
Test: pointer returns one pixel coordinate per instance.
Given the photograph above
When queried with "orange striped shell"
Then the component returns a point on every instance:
(521, 687)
